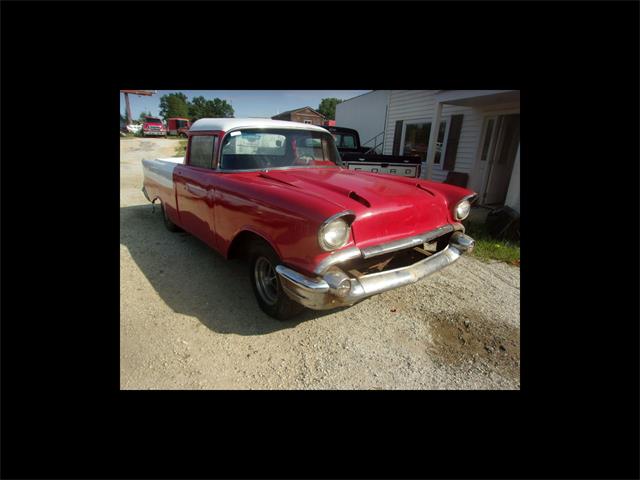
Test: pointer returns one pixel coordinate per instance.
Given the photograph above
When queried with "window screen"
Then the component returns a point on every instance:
(201, 151)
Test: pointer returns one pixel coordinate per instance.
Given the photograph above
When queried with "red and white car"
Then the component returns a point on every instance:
(316, 235)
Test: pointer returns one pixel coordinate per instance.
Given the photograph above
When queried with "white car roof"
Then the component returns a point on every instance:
(226, 124)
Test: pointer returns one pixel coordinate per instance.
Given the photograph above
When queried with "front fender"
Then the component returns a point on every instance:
(451, 194)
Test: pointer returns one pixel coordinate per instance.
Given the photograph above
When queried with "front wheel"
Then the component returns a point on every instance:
(266, 284)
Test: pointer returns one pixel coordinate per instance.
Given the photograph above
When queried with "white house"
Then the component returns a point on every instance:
(365, 113)
(476, 142)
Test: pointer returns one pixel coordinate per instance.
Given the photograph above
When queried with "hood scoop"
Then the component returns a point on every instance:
(359, 199)
(424, 189)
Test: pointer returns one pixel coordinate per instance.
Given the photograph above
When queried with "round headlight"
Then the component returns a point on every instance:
(462, 210)
(334, 234)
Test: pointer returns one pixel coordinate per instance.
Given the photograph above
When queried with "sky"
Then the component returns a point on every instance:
(246, 103)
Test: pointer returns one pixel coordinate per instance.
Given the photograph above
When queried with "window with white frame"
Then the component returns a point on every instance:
(415, 140)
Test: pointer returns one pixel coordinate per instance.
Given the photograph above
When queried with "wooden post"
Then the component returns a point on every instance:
(433, 135)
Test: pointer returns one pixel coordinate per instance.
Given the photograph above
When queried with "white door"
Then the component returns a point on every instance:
(502, 159)
(487, 146)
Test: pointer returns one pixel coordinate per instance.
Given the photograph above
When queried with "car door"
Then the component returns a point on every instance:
(194, 187)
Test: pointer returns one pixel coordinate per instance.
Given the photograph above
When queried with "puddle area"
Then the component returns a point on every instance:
(468, 338)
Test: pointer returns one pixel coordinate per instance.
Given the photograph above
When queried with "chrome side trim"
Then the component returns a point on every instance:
(196, 190)
(406, 242)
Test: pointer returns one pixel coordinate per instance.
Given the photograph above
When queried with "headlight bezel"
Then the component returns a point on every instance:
(469, 199)
(347, 218)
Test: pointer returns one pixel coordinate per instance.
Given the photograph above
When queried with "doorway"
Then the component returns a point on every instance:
(501, 138)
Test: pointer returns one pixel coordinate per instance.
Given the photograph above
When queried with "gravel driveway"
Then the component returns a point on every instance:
(188, 318)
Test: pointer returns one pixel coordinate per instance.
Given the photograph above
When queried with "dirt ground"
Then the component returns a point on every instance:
(189, 320)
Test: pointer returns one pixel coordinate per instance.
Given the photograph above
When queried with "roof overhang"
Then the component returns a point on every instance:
(477, 98)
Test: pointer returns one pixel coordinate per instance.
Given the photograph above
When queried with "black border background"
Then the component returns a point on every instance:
(63, 415)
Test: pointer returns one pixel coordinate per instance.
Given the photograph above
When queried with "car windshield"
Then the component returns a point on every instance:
(152, 120)
(181, 123)
(257, 149)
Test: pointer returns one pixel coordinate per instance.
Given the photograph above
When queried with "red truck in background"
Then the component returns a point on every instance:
(178, 126)
(153, 126)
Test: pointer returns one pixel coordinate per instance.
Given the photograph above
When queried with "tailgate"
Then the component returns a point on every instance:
(402, 169)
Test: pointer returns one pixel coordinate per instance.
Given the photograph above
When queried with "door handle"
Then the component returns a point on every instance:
(195, 190)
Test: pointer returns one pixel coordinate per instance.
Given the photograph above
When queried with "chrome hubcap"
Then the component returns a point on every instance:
(266, 281)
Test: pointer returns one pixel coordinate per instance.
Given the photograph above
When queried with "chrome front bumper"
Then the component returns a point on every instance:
(334, 288)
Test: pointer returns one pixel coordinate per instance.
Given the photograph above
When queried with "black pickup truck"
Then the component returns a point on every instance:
(356, 157)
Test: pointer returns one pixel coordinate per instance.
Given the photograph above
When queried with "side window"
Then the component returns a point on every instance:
(349, 141)
(201, 151)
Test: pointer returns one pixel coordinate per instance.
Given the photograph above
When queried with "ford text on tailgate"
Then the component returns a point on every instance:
(316, 235)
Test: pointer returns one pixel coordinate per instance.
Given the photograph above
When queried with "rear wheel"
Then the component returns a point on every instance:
(172, 227)
(266, 285)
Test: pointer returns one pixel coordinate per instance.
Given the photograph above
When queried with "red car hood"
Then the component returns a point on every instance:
(387, 207)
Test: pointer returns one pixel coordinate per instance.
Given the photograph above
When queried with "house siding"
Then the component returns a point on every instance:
(365, 113)
(408, 105)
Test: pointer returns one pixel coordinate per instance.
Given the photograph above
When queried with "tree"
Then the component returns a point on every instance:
(142, 115)
(174, 105)
(328, 107)
(200, 107)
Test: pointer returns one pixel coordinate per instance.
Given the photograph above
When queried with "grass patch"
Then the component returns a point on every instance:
(490, 248)
(181, 148)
